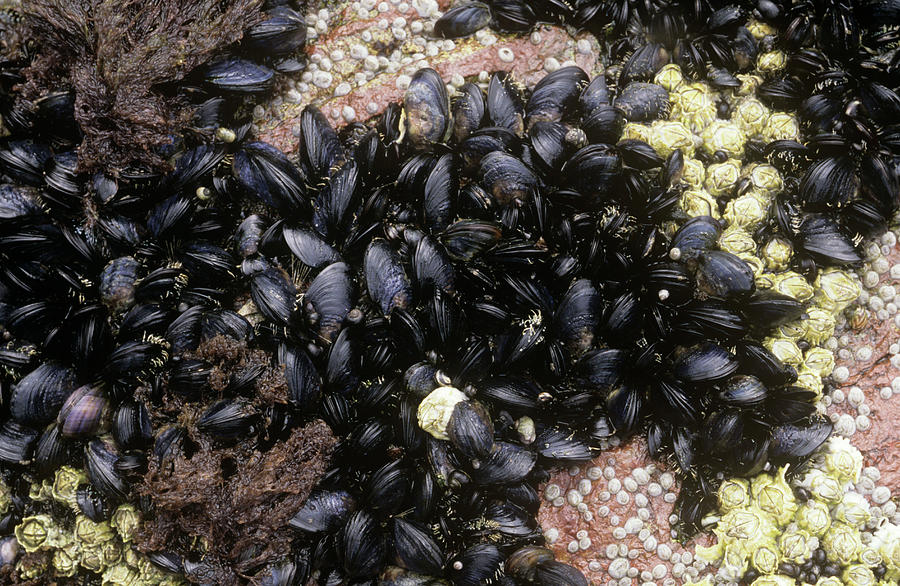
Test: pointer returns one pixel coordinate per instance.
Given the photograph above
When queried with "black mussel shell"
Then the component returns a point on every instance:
(722, 274)
(559, 574)
(83, 412)
(38, 396)
(330, 298)
(476, 565)
(507, 463)
(415, 548)
(641, 102)
(283, 32)
(100, 460)
(462, 20)
(426, 109)
(471, 430)
(388, 285)
(16, 442)
(363, 547)
(556, 95)
(324, 510)
(239, 76)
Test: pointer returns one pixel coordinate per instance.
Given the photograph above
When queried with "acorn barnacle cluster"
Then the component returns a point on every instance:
(355, 364)
(815, 529)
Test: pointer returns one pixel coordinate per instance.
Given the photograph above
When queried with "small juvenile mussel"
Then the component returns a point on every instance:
(465, 294)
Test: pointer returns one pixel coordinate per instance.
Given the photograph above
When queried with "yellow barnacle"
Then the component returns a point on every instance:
(819, 325)
(759, 29)
(90, 532)
(766, 558)
(796, 544)
(5, 497)
(722, 177)
(887, 541)
(32, 567)
(733, 493)
(781, 126)
(736, 240)
(694, 106)
(694, 173)
(795, 285)
(765, 179)
(65, 485)
(765, 281)
(829, 581)
(66, 558)
(792, 330)
(819, 360)
(858, 575)
(777, 253)
(125, 520)
(749, 525)
(435, 410)
(669, 77)
(697, 202)
(810, 381)
(774, 580)
(785, 350)
(750, 115)
(814, 517)
(835, 289)
(772, 494)
(843, 461)
(853, 510)
(725, 136)
(749, 83)
(755, 263)
(771, 61)
(636, 131)
(111, 551)
(746, 211)
(92, 558)
(121, 575)
(823, 486)
(667, 135)
(35, 532)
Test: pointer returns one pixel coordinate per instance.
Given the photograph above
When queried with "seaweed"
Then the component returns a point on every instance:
(122, 57)
(238, 500)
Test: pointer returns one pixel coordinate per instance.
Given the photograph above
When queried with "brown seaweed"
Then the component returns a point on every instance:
(238, 500)
(117, 55)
